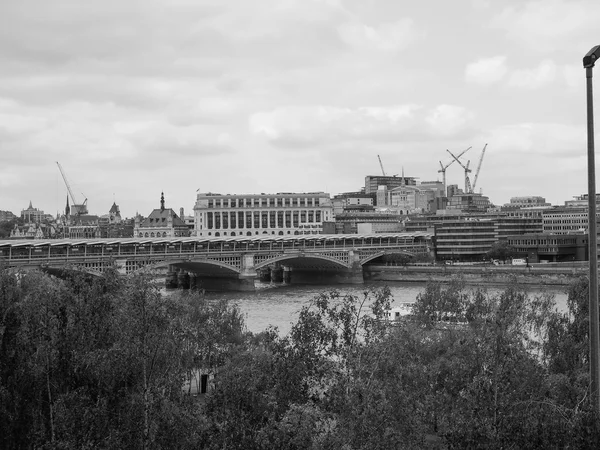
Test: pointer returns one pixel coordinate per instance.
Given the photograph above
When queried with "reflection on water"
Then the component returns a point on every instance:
(278, 305)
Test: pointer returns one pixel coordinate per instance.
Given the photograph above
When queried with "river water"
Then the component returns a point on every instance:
(278, 304)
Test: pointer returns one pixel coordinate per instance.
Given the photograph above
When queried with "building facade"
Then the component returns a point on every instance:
(549, 247)
(566, 220)
(32, 215)
(161, 222)
(526, 202)
(256, 214)
(468, 239)
(372, 182)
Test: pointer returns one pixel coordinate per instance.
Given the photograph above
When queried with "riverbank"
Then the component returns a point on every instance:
(537, 275)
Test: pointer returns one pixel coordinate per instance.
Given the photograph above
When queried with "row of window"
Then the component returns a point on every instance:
(261, 219)
(270, 202)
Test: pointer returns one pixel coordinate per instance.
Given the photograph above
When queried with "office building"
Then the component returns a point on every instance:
(257, 214)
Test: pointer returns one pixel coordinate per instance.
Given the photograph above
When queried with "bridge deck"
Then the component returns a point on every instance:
(16, 252)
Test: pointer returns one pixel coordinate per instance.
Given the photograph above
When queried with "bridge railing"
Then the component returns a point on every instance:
(15, 252)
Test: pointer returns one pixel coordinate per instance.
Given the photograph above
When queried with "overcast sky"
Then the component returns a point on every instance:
(133, 97)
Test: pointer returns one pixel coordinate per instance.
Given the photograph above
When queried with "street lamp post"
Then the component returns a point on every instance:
(588, 63)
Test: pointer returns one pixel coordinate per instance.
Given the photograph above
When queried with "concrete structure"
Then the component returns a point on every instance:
(368, 222)
(372, 182)
(279, 214)
(470, 237)
(566, 220)
(548, 247)
(469, 202)
(220, 263)
(464, 239)
(352, 201)
(161, 222)
(526, 202)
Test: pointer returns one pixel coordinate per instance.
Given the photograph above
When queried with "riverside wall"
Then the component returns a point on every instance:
(488, 274)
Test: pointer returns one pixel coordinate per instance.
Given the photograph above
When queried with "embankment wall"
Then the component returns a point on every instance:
(533, 275)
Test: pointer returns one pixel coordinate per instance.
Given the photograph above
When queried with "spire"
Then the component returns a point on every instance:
(30, 205)
(162, 201)
(402, 181)
(67, 208)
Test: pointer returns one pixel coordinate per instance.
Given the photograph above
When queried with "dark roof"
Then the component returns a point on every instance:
(159, 218)
(114, 209)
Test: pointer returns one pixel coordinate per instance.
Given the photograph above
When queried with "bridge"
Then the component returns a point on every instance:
(231, 263)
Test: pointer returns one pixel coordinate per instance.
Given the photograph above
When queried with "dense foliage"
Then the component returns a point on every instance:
(100, 363)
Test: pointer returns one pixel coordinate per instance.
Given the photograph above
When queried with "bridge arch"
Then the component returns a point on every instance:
(303, 257)
(191, 264)
(369, 258)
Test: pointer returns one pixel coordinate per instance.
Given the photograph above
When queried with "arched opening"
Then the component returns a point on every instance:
(280, 233)
(233, 233)
(152, 234)
(164, 234)
(249, 233)
(217, 234)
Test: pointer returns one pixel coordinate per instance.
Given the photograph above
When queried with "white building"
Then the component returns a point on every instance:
(257, 214)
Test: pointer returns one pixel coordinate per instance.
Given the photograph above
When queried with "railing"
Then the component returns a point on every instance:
(18, 252)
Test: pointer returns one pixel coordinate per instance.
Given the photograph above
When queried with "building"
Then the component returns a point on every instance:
(32, 215)
(372, 182)
(83, 226)
(256, 214)
(470, 237)
(161, 222)
(464, 239)
(413, 199)
(549, 247)
(566, 220)
(526, 202)
(368, 222)
(352, 201)
(469, 202)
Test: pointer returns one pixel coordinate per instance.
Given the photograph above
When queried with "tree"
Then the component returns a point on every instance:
(501, 250)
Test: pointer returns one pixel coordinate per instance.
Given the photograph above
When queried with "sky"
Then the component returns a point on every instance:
(135, 97)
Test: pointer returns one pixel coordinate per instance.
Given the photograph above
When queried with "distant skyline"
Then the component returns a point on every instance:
(232, 96)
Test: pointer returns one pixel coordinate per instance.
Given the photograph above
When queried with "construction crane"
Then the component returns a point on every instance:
(479, 166)
(468, 189)
(381, 165)
(443, 168)
(76, 208)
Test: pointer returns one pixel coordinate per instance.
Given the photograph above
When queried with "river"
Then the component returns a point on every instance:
(278, 304)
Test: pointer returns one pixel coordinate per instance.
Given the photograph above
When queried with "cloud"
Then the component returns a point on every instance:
(541, 76)
(294, 126)
(546, 25)
(541, 140)
(487, 70)
(386, 37)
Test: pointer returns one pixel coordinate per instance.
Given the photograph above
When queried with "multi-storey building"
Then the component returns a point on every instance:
(352, 200)
(549, 247)
(372, 182)
(162, 222)
(412, 199)
(526, 202)
(581, 201)
(32, 215)
(466, 239)
(460, 237)
(256, 214)
(368, 222)
(566, 220)
(469, 202)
